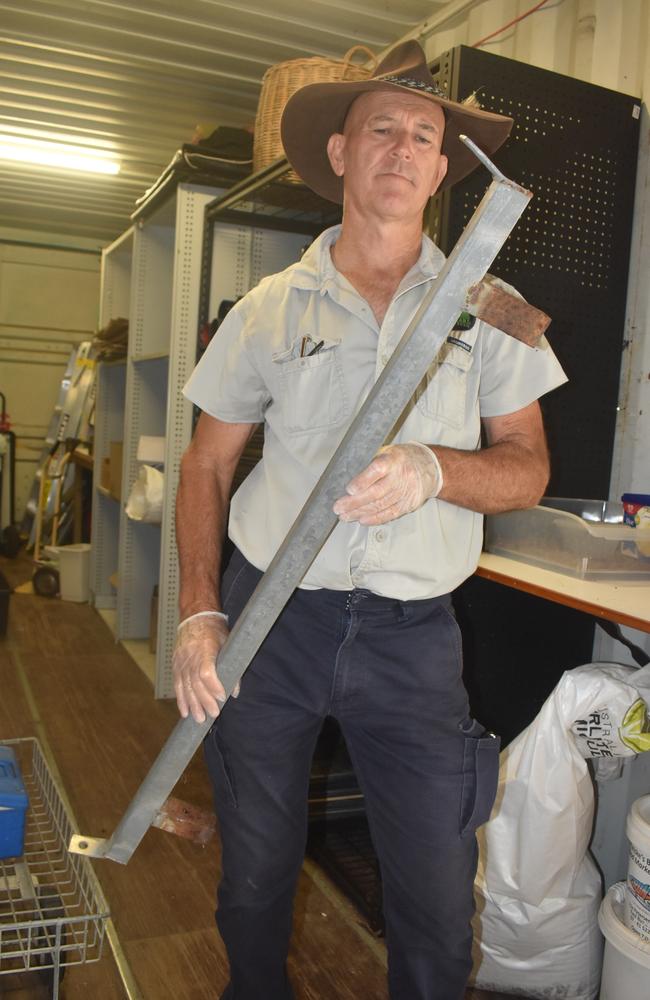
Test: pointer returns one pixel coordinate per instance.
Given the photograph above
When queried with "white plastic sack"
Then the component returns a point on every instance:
(146, 496)
(538, 890)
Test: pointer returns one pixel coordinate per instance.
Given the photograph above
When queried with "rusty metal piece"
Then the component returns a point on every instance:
(185, 820)
(489, 301)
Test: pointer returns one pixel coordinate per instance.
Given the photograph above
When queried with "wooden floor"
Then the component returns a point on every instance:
(64, 680)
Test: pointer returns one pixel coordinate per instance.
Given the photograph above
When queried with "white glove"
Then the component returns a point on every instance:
(398, 480)
(199, 640)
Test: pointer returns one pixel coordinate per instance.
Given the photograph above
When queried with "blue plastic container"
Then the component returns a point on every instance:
(13, 805)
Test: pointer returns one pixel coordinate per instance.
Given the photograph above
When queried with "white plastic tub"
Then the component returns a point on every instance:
(626, 966)
(74, 572)
(637, 897)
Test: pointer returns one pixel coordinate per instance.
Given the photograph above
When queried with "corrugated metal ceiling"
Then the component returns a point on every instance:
(138, 77)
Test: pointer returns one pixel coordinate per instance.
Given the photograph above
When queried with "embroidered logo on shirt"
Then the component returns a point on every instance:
(465, 321)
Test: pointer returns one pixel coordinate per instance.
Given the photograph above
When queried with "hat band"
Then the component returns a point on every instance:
(409, 81)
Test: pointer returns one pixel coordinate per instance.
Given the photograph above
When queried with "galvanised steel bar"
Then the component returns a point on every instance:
(485, 234)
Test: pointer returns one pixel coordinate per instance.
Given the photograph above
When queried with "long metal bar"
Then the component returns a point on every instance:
(479, 244)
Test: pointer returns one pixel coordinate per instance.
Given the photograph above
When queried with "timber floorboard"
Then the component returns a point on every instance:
(65, 680)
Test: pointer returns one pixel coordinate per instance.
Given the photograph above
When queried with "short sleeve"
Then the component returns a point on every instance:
(514, 375)
(225, 383)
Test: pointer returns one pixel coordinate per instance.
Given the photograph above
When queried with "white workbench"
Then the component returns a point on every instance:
(622, 601)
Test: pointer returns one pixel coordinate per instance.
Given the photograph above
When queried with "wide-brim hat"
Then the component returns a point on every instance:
(317, 111)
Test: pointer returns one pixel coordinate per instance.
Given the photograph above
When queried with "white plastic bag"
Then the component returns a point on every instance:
(538, 890)
(146, 496)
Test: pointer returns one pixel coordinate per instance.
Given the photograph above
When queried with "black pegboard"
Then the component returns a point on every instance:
(575, 146)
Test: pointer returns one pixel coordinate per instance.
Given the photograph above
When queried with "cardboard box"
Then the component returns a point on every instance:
(115, 455)
(13, 805)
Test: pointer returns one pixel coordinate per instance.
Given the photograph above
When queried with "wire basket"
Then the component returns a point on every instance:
(281, 81)
(52, 910)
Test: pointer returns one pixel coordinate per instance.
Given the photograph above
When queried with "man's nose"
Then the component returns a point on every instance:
(403, 145)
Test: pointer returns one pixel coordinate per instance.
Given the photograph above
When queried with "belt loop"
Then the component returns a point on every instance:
(404, 612)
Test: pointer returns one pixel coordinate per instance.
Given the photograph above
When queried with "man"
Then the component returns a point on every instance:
(369, 637)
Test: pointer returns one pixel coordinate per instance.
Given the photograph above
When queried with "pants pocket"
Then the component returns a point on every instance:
(480, 778)
(216, 758)
(239, 581)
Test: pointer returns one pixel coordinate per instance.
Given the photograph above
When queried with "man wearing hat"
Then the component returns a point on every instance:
(369, 637)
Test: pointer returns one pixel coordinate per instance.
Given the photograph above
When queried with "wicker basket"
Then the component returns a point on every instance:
(284, 79)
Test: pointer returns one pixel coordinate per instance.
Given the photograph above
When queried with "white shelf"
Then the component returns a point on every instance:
(107, 494)
(623, 601)
(150, 357)
(116, 278)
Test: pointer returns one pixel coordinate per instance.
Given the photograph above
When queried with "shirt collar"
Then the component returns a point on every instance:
(316, 268)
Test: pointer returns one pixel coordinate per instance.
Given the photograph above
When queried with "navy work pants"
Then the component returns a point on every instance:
(390, 672)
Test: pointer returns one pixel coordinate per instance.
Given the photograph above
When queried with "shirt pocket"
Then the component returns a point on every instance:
(312, 388)
(442, 394)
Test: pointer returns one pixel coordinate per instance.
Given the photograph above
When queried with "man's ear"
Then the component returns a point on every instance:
(335, 147)
(440, 174)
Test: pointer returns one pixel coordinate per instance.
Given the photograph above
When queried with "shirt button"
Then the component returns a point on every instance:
(380, 536)
(384, 359)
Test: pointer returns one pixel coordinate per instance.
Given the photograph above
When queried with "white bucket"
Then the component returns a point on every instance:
(74, 572)
(637, 897)
(626, 965)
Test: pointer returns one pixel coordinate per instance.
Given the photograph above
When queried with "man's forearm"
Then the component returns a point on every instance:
(510, 474)
(505, 476)
(201, 515)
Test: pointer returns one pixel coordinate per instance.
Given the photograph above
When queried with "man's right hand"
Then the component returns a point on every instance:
(198, 689)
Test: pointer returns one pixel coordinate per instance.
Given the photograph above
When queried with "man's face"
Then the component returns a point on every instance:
(389, 154)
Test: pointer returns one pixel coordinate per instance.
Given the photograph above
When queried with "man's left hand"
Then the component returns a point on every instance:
(398, 480)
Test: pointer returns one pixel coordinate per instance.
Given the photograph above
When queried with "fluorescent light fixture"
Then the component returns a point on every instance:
(56, 154)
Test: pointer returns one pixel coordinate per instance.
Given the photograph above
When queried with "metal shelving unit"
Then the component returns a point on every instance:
(168, 274)
(147, 376)
(109, 426)
(241, 255)
(52, 911)
(115, 295)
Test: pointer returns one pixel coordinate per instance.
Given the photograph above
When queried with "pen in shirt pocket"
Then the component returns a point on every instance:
(315, 349)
